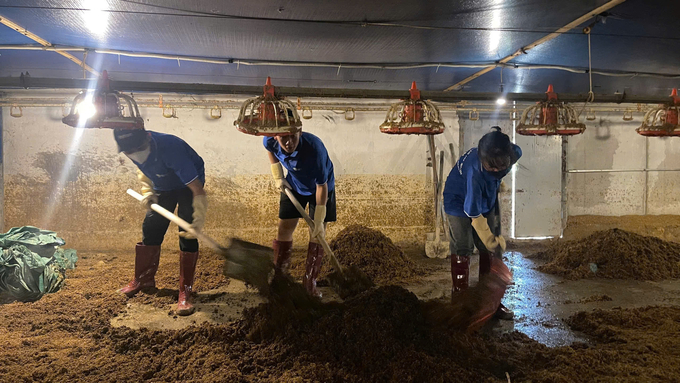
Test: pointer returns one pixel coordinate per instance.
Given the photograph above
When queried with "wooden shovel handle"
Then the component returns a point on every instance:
(310, 222)
(177, 220)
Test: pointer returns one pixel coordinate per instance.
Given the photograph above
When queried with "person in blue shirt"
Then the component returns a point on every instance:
(471, 205)
(310, 177)
(172, 175)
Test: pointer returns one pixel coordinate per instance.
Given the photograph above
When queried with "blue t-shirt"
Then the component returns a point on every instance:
(172, 163)
(309, 165)
(470, 190)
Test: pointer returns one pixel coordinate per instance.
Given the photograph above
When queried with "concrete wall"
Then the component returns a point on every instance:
(74, 182)
(611, 143)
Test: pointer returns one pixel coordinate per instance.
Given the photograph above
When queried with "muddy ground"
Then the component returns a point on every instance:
(88, 333)
(613, 253)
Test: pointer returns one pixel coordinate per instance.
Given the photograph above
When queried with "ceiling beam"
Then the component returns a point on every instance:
(525, 49)
(10, 83)
(45, 43)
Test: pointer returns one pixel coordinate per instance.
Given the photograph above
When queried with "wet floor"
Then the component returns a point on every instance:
(541, 301)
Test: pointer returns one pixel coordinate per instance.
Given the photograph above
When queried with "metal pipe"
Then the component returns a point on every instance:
(523, 50)
(563, 189)
(185, 88)
(236, 104)
(620, 170)
(45, 43)
(646, 188)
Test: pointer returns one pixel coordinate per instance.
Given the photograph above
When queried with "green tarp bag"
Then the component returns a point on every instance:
(32, 263)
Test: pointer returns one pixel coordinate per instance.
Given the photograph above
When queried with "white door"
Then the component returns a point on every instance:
(538, 187)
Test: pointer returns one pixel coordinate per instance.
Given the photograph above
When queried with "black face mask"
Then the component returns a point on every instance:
(498, 175)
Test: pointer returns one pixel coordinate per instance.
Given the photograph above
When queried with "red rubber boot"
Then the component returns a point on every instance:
(460, 272)
(312, 268)
(146, 265)
(283, 250)
(187, 269)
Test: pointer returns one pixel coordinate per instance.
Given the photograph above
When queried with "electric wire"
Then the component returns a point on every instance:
(209, 60)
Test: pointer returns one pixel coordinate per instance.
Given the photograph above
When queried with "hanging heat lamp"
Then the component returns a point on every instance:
(549, 118)
(104, 108)
(268, 115)
(662, 121)
(413, 116)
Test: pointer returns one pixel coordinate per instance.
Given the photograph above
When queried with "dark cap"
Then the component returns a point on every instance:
(496, 150)
(130, 139)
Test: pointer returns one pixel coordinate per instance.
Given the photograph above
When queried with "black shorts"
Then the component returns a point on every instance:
(287, 210)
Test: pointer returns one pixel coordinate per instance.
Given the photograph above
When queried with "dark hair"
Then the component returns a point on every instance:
(495, 149)
(130, 139)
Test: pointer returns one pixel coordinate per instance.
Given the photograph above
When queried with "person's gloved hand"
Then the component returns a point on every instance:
(319, 217)
(200, 205)
(280, 181)
(490, 241)
(148, 195)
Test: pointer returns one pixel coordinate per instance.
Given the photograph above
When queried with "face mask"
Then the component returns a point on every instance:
(498, 175)
(141, 156)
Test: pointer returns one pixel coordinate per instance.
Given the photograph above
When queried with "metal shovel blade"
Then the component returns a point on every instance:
(435, 247)
(249, 262)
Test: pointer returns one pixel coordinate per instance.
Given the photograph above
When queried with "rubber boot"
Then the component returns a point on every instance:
(485, 258)
(282, 253)
(146, 265)
(460, 272)
(312, 268)
(187, 269)
(484, 262)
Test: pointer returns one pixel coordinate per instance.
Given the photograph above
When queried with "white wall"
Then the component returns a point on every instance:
(382, 180)
(611, 143)
(356, 147)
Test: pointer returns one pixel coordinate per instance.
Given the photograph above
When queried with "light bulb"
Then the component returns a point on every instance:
(500, 101)
(96, 18)
(86, 109)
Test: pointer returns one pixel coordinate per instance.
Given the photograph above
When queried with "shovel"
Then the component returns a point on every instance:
(345, 282)
(472, 308)
(245, 261)
(434, 246)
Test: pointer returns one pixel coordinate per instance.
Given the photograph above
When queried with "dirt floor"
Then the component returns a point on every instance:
(88, 333)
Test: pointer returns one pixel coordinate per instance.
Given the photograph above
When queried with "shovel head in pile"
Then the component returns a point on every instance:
(248, 262)
(349, 282)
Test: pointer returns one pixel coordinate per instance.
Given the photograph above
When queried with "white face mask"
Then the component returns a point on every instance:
(141, 156)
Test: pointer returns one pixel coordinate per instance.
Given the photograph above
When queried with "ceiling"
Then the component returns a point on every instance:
(636, 36)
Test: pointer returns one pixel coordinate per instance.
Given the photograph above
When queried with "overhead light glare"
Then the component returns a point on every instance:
(85, 110)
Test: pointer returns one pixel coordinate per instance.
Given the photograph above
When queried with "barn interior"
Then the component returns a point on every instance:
(590, 212)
